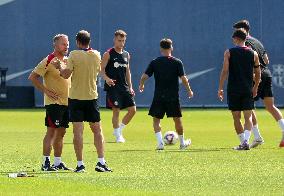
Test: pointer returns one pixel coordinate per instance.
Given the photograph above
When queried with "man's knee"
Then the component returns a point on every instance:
(96, 127)
(132, 110)
(236, 116)
(50, 132)
(115, 111)
(270, 107)
(60, 133)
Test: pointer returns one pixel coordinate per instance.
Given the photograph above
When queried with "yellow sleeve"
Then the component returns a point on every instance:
(41, 68)
(70, 62)
(98, 60)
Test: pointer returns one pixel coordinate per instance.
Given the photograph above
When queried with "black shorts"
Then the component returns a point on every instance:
(84, 110)
(57, 116)
(160, 107)
(119, 99)
(240, 102)
(264, 88)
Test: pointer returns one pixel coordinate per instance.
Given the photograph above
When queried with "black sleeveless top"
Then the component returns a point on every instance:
(116, 70)
(241, 64)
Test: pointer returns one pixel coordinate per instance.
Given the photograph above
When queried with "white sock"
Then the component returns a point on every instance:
(256, 132)
(116, 132)
(102, 161)
(79, 163)
(121, 127)
(159, 137)
(181, 139)
(57, 161)
(241, 137)
(281, 124)
(44, 158)
(247, 135)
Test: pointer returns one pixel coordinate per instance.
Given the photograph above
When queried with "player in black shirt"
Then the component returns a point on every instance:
(167, 71)
(264, 89)
(118, 86)
(240, 64)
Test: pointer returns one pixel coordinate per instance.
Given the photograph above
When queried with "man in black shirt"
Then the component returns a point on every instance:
(240, 64)
(115, 70)
(264, 89)
(167, 71)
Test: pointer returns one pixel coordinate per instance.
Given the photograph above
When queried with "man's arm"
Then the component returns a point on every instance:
(266, 59)
(64, 73)
(257, 74)
(224, 75)
(128, 78)
(143, 79)
(104, 63)
(185, 82)
(35, 79)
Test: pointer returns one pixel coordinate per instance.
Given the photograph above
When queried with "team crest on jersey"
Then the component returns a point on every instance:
(278, 75)
(116, 65)
(57, 123)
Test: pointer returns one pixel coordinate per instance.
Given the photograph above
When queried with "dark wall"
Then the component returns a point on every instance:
(201, 31)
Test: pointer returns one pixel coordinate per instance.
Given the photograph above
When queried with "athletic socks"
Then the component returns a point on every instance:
(121, 127)
(241, 137)
(79, 163)
(256, 132)
(102, 161)
(44, 159)
(247, 135)
(116, 132)
(181, 139)
(57, 161)
(281, 124)
(159, 137)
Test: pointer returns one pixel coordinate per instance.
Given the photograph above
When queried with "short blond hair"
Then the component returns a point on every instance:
(58, 37)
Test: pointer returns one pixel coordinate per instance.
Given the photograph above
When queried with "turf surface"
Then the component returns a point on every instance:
(209, 167)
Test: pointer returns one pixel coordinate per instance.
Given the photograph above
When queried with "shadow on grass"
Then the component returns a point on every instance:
(172, 150)
(34, 172)
(132, 150)
(199, 150)
(70, 143)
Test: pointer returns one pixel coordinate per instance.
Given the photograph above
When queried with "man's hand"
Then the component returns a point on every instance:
(254, 92)
(190, 93)
(141, 88)
(52, 95)
(221, 94)
(132, 92)
(56, 63)
(110, 82)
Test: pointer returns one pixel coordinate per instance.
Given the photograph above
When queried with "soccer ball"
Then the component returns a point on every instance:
(170, 137)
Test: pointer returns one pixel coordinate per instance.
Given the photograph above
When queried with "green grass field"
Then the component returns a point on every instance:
(209, 167)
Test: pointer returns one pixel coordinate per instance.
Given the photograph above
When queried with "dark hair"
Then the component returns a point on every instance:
(240, 33)
(166, 43)
(83, 37)
(120, 33)
(242, 24)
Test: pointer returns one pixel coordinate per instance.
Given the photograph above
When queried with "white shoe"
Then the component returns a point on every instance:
(256, 142)
(161, 146)
(185, 144)
(120, 139)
